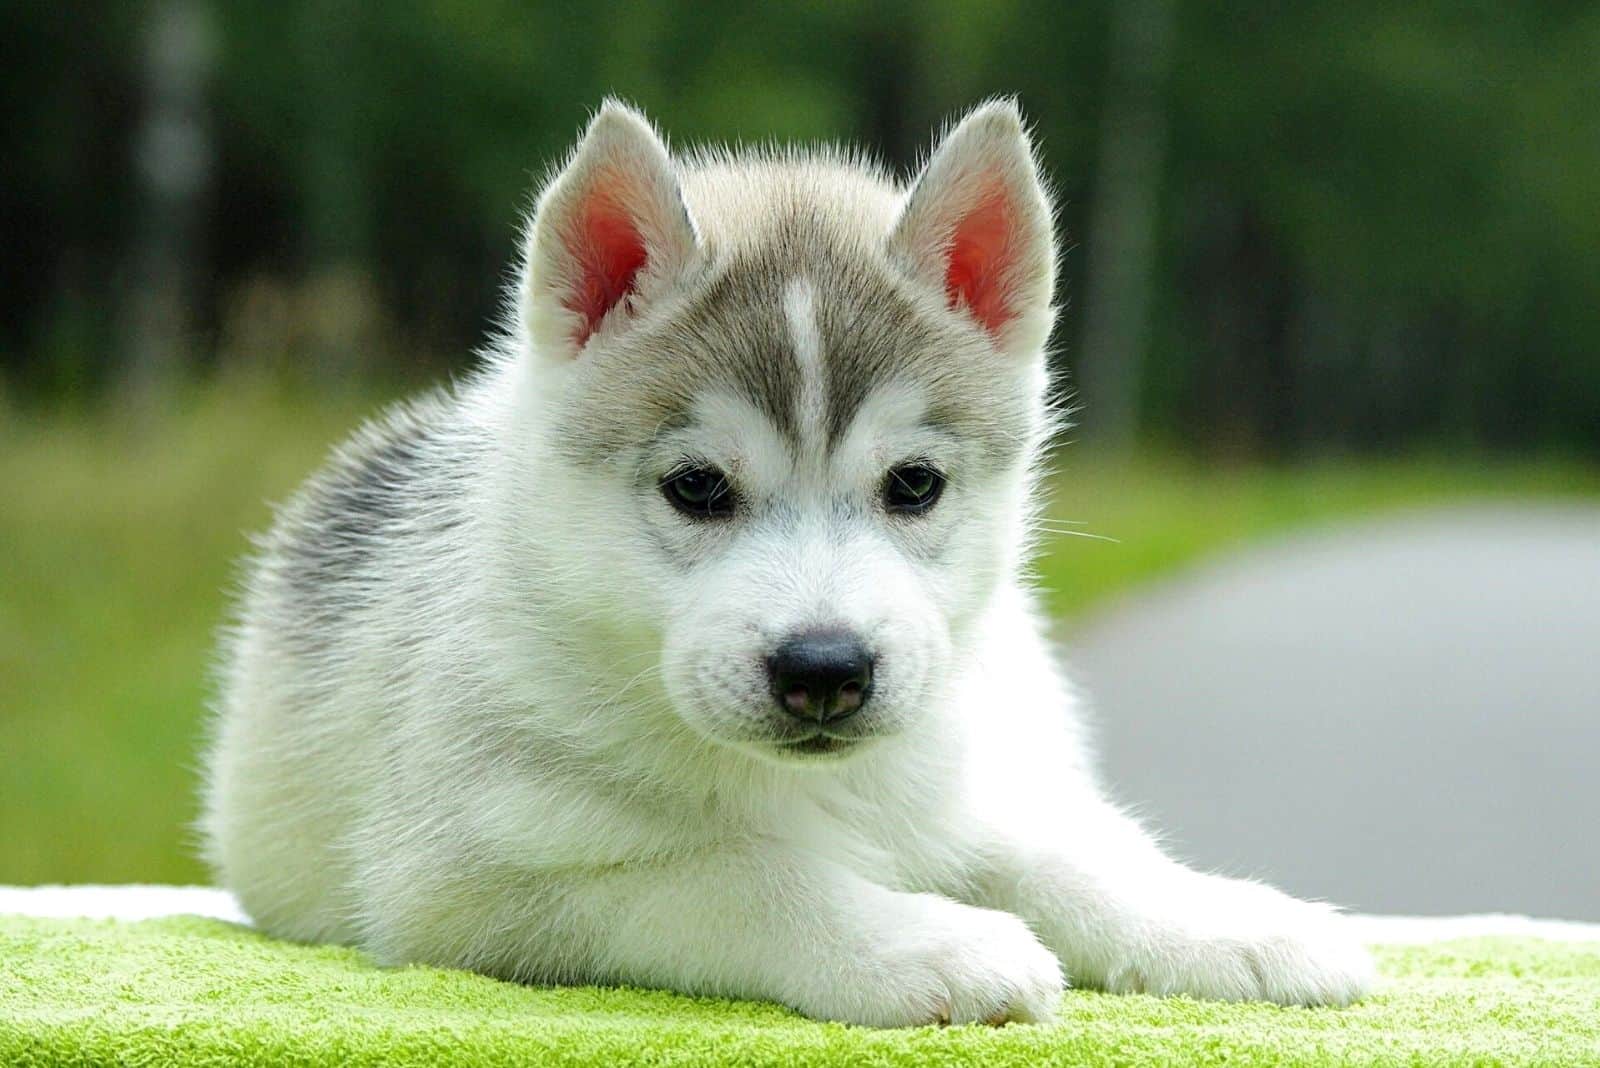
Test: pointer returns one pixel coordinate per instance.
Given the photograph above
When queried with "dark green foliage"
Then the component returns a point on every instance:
(1376, 223)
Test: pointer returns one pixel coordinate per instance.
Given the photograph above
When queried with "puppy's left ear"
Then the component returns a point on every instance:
(610, 234)
(978, 226)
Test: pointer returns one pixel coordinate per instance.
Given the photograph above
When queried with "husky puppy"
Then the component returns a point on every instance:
(687, 644)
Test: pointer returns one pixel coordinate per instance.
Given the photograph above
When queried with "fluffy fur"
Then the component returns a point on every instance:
(493, 703)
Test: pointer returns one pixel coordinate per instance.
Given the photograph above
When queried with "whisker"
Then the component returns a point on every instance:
(1062, 532)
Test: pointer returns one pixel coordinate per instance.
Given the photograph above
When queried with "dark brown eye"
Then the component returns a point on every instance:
(911, 489)
(699, 492)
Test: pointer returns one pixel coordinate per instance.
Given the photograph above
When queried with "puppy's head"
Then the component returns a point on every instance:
(787, 409)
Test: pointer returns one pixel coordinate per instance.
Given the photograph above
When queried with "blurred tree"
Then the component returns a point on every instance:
(1369, 225)
(1121, 273)
(172, 162)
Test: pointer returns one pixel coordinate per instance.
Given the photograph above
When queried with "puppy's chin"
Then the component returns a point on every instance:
(819, 749)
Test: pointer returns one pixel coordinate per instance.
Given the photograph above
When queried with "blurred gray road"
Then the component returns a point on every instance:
(1402, 716)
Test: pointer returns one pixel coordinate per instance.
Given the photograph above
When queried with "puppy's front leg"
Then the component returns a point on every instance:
(766, 922)
(759, 921)
(1124, 917)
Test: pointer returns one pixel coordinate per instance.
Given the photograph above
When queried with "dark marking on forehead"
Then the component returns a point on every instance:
(747, 343)
(870, 337)
(732, 334)
(874, 331)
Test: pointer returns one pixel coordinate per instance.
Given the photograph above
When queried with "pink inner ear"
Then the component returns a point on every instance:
(980, 256)
(609, 250)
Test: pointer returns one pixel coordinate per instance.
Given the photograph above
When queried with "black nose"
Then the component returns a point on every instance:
(821, 675)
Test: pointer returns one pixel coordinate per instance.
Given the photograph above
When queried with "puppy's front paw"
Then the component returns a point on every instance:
(1246, 942)
(946, 963)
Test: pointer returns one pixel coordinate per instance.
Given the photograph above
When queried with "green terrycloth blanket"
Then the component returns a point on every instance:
(185, 990)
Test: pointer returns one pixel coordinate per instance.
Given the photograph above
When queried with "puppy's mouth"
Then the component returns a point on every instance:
(819, 745)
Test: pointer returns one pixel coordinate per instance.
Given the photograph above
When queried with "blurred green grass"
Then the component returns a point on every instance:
(119, 539)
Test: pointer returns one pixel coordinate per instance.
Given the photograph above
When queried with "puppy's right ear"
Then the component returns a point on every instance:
(610, 234)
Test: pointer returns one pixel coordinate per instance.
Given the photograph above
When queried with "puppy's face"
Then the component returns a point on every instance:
(806, 455)
(828, 537)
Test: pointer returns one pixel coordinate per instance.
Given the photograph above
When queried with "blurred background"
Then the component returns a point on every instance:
(1332, 317)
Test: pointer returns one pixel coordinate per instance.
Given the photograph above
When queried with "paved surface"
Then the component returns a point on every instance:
(1400, 717)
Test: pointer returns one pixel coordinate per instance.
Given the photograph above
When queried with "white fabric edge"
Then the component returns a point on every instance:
(142, 902)
(1416, 930)
(128, 902)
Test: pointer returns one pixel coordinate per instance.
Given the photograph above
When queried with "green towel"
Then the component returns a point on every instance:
(186, 990)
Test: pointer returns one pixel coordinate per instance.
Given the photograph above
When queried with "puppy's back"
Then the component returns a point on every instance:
(315, 662)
